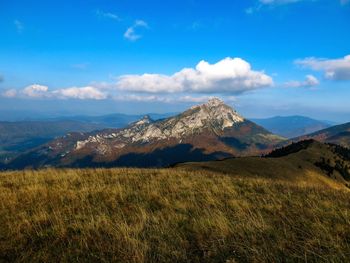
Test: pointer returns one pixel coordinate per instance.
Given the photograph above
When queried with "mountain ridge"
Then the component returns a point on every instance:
(211, 129)
(292, 126)
(338, 134)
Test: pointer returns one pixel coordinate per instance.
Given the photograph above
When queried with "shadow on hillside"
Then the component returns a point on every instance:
(158, 158)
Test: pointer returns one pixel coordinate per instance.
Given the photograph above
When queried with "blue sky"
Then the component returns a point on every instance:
(264, 57)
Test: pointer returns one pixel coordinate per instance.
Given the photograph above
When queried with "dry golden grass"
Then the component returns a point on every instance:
(168, 215)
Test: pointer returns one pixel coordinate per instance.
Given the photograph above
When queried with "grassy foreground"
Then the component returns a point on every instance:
(168, 215)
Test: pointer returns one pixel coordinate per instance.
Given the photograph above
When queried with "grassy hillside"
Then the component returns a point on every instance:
(170, 215)
(305, 162)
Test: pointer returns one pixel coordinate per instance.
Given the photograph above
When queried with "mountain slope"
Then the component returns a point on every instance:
(339, 134)
(291, 126)
(306, 162)
(204, 132)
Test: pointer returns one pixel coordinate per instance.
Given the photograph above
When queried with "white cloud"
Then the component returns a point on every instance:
(194, 99)
(230, 75)
(168, 99)
(202, 99)
(335, 69)
(141, 98)
(36, 91)
(140, 23)
(40, 91)
(100, 13)
(81, 93)
(131, 34)
(19, 26)
(269, 3)
(310, 81)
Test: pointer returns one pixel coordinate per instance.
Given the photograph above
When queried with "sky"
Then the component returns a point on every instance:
(94, 57)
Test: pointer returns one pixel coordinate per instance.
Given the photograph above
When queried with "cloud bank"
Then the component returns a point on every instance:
(230, 75)
(90, 93)
(41, 91)
(82, 93)
(334, 69)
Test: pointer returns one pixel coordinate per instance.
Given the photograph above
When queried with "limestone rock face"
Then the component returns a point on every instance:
(214, 115)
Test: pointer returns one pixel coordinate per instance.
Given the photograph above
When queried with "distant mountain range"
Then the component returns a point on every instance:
(339, 134)
(208, 131)
(20, 136)
(204, 132)
(115, 120)
(17, 137)
(292, 126)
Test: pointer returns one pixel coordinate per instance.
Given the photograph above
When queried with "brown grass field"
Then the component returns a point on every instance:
(169, 215)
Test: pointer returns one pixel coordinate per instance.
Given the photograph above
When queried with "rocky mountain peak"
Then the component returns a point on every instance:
(144, 120)
(215, 113)
(214, 116)
(214, 102)
(210, 104)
